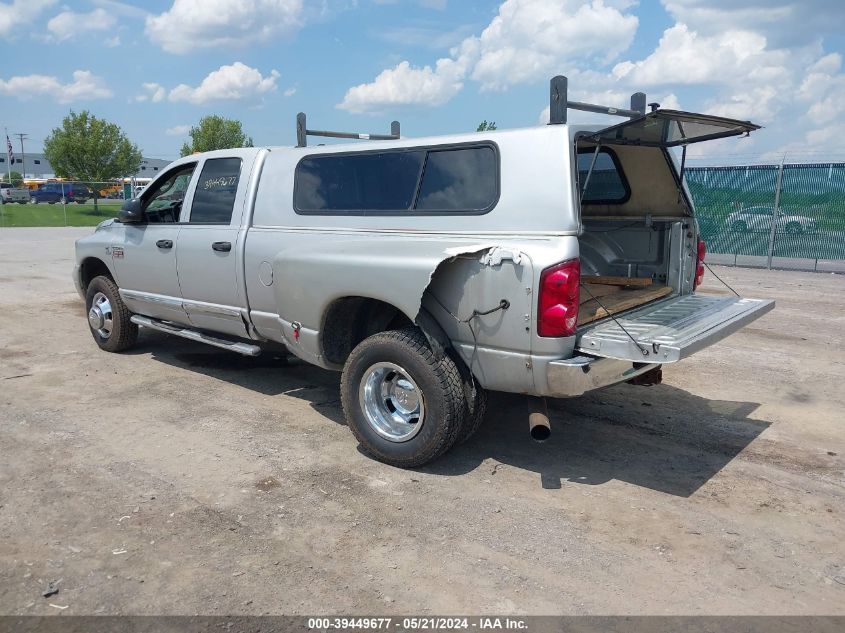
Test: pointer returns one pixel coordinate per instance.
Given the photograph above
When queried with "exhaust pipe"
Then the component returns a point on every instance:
(538, 419)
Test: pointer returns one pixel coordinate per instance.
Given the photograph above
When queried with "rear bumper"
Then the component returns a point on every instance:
(578, 375)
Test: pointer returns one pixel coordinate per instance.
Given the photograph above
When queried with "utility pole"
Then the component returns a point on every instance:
(22, 138)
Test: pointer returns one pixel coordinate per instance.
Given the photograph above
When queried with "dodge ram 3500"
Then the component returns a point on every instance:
(547, 261)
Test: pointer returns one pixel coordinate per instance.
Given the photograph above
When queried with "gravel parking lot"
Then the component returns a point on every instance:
(181, 479)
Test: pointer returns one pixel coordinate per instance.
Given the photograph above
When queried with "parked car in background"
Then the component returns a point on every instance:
(10, 193)
(760, 219)
(53, 192)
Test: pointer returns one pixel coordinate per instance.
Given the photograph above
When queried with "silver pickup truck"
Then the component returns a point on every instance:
(546, 261)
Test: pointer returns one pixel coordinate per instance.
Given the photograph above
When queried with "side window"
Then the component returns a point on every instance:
(459, 180)
(607, 183)
(163, 202)
(453, 180)
(381, 181)
(214, 198)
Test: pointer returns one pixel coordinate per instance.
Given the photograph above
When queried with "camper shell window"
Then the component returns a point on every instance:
(442, 180)
(607, 184)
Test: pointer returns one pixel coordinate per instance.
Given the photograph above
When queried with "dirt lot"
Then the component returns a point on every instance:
(179, 479)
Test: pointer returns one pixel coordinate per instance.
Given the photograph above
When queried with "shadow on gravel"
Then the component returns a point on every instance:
(659, 437)
(269, 374)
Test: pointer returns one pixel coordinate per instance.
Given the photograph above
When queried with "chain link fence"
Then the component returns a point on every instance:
(772, 216)
(64, 203)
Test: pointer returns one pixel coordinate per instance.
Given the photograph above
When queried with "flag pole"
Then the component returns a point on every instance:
(8, 156)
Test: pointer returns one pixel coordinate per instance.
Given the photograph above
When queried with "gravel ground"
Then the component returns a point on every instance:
(180, 479)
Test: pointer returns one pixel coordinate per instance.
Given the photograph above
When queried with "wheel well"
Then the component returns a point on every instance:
(90, 268)
(350, 320)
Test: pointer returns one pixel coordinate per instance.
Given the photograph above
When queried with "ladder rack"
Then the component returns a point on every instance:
(559, 104)
(302, 133)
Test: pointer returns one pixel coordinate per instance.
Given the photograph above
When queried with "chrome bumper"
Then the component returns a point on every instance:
(578, 375)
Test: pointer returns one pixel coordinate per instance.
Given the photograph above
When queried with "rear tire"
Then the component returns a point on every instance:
(108, 316)
(793, 228)
(390, 378)
(475, 397)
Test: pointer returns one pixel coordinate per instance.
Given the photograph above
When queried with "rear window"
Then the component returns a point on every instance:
(415, 181)
(607, 184)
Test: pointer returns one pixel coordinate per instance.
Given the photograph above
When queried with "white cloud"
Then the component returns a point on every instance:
(153, 92)
(19, 14)
(289, 92)
(235, 82)
(406, 86)
(781, 22)
(67, 24)
(534, 39)
(112, 42)
(824, 89)
(194, 24)
(85, 87)
(178, 130)
(526, 41)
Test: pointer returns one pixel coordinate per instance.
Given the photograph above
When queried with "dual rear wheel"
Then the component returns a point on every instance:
(405, 404)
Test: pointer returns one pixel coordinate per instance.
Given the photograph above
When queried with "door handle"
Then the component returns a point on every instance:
(165, 243)
(223, 247)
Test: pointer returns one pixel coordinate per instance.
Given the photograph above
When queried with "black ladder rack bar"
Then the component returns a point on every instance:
(302, 133)
(559, 103)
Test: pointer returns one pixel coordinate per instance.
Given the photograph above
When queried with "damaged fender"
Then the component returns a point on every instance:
(308, 281)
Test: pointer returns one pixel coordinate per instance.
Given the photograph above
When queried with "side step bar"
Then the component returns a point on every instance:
(170, 328)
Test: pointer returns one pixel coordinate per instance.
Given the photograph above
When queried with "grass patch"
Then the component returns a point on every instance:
(22, 215)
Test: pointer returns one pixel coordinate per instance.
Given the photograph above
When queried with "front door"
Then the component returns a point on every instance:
(210, 246)
(145, 257)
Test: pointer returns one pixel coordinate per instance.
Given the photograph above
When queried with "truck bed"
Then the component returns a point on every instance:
(605, 296)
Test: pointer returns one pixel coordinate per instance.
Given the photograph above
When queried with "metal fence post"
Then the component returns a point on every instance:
(64, 202)
(775, 212)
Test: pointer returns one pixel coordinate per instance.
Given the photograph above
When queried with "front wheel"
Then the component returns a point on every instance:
(793, 228)
(108, 316)
(739, 226)
(404, 405)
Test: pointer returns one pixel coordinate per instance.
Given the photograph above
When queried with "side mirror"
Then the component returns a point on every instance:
(131, 212)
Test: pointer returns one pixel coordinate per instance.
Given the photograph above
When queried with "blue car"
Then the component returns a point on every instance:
(53, 192)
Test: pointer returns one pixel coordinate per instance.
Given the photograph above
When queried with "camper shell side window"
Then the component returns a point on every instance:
(461, 179)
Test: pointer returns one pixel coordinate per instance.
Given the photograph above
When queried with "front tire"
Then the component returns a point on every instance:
(739, 226)
(108, 316)
(405, 406)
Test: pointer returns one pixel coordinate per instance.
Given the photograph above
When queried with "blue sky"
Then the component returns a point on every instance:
(438, 66)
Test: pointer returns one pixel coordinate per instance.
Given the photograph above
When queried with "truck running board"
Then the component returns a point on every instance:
(233, 346)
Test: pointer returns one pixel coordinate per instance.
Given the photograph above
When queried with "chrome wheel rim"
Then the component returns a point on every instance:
(392, 402)
(100, 316)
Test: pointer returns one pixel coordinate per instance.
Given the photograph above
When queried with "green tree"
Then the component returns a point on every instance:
(16, 178)
(90, 149)
(216, 132)
(484, 126)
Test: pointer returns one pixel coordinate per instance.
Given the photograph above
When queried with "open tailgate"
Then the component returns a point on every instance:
(670, 329)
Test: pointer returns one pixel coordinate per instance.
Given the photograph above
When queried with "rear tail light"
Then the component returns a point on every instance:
(557, 306)
(699, 264)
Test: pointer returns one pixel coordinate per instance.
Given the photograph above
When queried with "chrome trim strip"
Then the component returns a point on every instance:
(149, 297)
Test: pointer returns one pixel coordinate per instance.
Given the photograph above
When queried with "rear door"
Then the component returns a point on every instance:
(209, 251)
